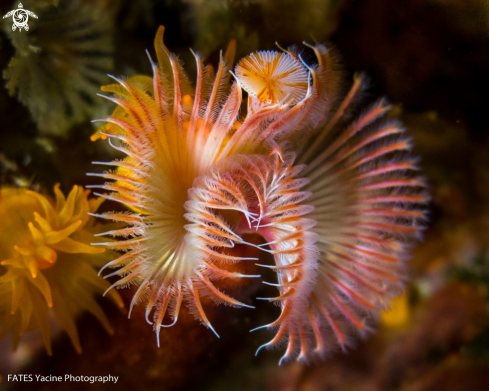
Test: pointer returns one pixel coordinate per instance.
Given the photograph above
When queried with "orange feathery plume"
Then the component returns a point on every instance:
(48, 263)
(337, 201)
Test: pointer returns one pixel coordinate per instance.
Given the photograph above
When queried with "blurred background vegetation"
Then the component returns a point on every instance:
(429, 57)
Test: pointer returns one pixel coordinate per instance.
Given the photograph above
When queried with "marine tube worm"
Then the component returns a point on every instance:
(334, 193)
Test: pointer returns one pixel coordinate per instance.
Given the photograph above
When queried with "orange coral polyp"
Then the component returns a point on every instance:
(36, 238)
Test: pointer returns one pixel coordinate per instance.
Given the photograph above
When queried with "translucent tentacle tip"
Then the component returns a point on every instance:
(214, 331)
(260, 348)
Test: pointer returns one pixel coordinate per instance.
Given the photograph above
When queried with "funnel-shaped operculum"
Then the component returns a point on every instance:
(272, 78)
(303, 97)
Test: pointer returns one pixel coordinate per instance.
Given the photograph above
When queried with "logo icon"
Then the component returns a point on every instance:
(20, 17)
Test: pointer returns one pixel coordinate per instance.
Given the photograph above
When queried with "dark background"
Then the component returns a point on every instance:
(430, 58)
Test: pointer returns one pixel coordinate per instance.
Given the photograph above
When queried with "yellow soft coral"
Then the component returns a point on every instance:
(47, 262)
